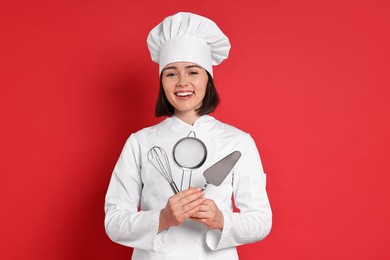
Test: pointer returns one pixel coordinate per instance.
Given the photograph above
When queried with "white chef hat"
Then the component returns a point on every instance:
(188, 37)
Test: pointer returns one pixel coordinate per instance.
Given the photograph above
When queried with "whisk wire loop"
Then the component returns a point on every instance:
(159, 159)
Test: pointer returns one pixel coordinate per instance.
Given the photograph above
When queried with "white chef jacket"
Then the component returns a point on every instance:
(138, 192)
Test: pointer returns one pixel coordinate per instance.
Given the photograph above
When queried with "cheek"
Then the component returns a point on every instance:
(202, 86)
(166, 86)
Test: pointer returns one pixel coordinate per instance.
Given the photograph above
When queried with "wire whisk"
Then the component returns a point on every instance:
(159, 159)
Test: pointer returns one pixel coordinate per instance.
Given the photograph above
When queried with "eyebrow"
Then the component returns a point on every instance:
(186, 67)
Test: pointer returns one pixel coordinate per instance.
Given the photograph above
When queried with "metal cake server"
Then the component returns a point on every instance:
(217, 172)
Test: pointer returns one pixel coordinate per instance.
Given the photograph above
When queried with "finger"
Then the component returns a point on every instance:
(205, 221)
(203, 214)
(198, 216)
(196, 204)
(197, 219)
(206, 207)
(184, 193)
(191, 212)
(191, 197)
(210, 203)
(187, 192)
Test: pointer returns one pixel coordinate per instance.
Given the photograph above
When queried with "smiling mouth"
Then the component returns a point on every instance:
(184, 93)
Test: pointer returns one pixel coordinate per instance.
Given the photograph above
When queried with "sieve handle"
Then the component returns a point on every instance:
(191, 132)
(174, 187)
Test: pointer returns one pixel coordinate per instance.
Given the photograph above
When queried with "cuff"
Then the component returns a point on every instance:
(159, 238)
(215, 237)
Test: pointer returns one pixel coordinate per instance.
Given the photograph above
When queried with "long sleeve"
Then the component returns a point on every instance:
(123, 222)
(254, 221)
(138, 192)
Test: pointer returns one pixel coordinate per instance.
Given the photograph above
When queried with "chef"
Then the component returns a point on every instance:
(142, 211)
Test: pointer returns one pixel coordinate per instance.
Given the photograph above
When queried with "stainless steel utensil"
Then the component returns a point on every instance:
(159, 159)
(217, 172)
(189, 153)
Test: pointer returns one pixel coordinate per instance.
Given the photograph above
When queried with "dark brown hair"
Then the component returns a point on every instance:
(209, 103)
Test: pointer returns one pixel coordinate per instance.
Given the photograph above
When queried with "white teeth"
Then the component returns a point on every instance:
(183, 94)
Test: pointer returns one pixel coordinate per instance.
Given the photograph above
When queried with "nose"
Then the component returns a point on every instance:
(182, 81)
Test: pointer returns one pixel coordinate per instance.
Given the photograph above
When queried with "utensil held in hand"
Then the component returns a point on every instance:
(159, 159)
(218, 172)
(189, 153)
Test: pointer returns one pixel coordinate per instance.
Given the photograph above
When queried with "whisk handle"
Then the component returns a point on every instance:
(174, 187)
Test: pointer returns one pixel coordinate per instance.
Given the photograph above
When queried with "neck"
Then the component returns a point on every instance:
(189, 118)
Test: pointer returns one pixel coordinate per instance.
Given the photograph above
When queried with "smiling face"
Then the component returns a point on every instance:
(184, 86)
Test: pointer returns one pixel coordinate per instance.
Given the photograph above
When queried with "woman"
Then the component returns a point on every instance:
(141, 210)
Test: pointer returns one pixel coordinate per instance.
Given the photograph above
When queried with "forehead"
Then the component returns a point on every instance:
(181, 65)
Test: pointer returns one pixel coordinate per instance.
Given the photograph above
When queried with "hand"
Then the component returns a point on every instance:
(210, 215)
(180, 207)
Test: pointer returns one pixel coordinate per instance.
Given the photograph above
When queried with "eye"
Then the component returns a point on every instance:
(194, 73)
(170, 74)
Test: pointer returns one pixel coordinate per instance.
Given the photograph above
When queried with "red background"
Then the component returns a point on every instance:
(308, 79)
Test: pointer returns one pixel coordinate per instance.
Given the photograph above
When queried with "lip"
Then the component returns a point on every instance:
(184, 94)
